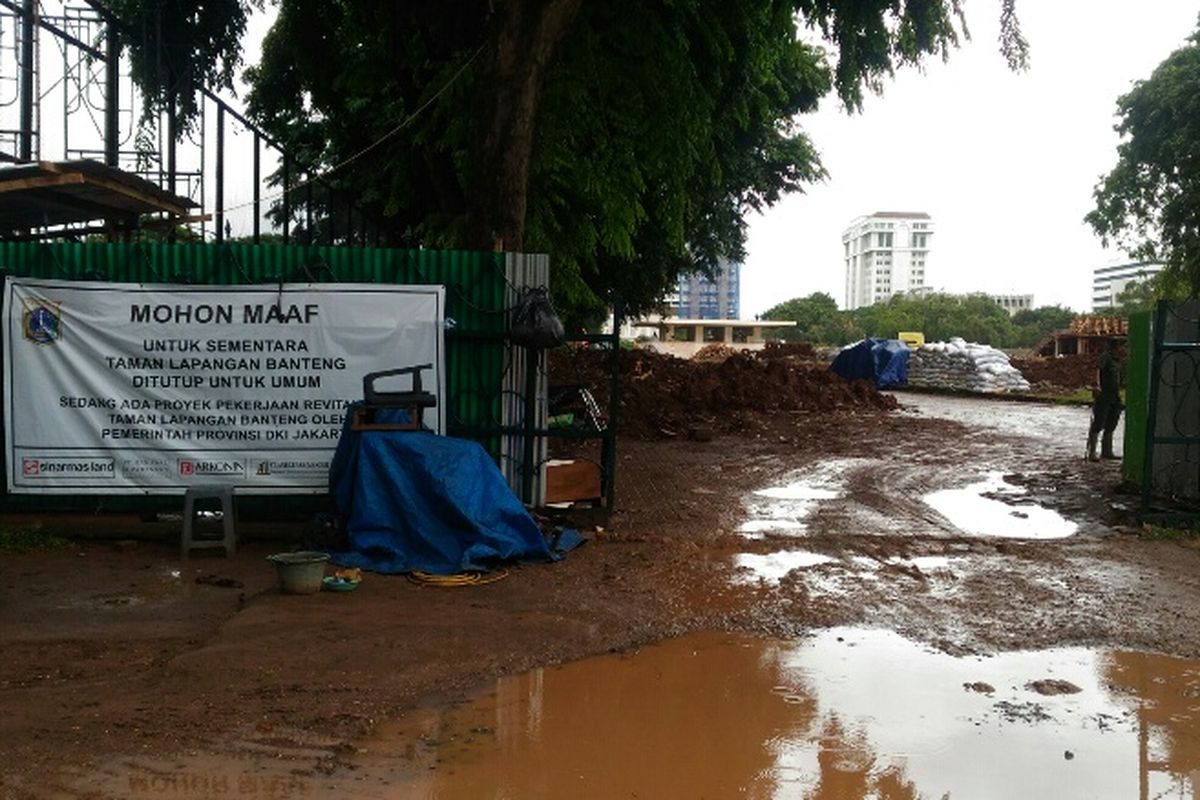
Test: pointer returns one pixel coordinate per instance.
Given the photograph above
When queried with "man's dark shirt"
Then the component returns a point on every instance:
(1110, 378)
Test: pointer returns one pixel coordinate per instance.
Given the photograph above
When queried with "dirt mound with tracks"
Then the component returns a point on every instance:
(663, 396)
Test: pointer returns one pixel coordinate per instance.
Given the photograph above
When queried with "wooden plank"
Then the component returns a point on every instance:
(41, 181)
(165, 202)
(572, 480)
(134, 194)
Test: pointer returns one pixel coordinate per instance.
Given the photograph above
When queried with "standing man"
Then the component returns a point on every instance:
(1106, 403)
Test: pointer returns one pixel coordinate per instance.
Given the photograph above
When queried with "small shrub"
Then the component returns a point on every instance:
(29, 540)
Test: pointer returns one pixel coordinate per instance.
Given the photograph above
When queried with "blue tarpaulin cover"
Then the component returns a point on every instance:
(884, 361)
(413, 500)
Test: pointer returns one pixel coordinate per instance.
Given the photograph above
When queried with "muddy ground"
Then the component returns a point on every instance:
(115, 653)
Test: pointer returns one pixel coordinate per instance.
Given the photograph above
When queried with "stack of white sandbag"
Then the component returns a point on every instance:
(964, 366)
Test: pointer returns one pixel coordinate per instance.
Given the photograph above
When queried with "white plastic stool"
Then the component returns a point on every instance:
(229, 538)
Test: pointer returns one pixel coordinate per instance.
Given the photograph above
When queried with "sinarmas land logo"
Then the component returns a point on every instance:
(42, 321)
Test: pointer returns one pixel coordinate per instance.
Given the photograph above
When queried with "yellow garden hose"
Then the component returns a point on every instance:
(461, 579)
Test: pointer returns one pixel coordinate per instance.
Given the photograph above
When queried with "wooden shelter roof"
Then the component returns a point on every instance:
(51, 193)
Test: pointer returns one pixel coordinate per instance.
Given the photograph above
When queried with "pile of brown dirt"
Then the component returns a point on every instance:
(663, 396)
(1062, 372)
(714, 352)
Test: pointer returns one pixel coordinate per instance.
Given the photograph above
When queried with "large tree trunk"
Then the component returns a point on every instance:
(525, 37)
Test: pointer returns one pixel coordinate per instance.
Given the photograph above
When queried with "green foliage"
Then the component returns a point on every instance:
(1149, 204)
(940, 317)
(178, 47)
(817, 319)
(1034, 324)
(1168, 533)
(1144, 295)
(28, 540)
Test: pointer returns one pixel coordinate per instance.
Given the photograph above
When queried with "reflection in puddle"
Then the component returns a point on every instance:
(797, 491)
(754, 528)
(782, 509)
(923, 563)
(772, 567)
(970, 512)
(848, 714)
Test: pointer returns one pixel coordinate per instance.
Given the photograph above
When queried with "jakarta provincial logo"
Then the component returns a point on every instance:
(42, 321)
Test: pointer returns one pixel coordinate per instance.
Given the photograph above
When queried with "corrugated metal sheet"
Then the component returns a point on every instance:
(524, 270)
(479, 290)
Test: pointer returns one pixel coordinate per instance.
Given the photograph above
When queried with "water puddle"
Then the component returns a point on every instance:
(782, 509)
(846, 714)
(923, 563)
(1063, 427)
(797, 491)
(770, 568)
(758, 528)
(969, 510)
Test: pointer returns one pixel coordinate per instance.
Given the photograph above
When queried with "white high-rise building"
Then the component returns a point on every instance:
(886, 254)
(1109, 282)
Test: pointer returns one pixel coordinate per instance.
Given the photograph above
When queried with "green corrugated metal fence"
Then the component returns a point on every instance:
(475, 294)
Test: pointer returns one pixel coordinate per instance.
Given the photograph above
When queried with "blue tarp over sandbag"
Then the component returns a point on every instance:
(413, 500)
(883, 361)
(891, 363)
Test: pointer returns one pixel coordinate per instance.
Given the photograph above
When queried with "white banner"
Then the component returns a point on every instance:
(143, 388)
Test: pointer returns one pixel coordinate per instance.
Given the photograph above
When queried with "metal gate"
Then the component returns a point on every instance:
(1171, 468)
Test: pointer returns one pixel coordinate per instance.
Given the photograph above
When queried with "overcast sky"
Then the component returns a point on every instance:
(1004, 162)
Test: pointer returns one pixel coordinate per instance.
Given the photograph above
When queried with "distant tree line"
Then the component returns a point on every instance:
(939, 317)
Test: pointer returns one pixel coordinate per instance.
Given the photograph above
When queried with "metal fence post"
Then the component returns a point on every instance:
(112, 95)
(28, 12)
(529, 434)
(608, 452)
(220, 177)
(1160, 323)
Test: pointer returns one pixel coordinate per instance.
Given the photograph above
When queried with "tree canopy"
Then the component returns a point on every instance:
(1149, 204)
(627, 139)
(176, 47)
(940, 317)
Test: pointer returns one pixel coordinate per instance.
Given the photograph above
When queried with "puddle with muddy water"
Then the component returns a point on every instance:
(970, 510)
(846, 714)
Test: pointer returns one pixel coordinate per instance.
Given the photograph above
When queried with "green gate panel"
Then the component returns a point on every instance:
(1137, 395)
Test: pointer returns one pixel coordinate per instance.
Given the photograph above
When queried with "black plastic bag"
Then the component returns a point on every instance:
(534, 323)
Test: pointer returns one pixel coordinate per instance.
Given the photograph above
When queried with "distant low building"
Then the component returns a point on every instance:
(1109, 282)
(684, 337)
(1012, 303)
